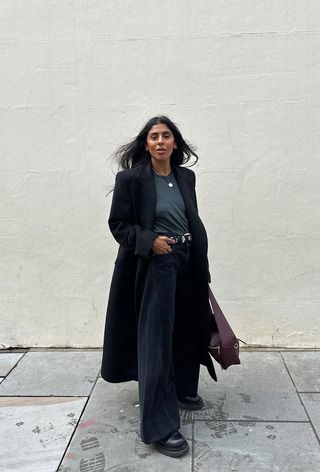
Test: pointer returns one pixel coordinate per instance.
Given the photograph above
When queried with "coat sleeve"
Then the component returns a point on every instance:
(121, 222)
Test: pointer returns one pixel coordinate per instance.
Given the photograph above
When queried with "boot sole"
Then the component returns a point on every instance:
(172, 452)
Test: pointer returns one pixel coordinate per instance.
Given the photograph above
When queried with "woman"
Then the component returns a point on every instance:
(157, 323)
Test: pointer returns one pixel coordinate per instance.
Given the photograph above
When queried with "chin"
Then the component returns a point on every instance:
(162, 158)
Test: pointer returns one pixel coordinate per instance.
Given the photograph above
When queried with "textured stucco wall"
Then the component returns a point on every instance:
(241, 79)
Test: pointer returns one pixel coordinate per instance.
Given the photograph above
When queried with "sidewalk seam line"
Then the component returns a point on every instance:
(15, 365)
(44, 396)
(313, 392)
(303, 405)
(76, 426)
(252, 421)
(192, 445)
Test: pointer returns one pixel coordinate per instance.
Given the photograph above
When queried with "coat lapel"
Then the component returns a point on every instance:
(147, 194)
(186, 193)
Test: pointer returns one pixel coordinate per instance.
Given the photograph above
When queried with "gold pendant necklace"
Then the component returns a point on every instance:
(166, 177)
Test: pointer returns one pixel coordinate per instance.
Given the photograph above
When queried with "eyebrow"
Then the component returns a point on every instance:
(162, 132)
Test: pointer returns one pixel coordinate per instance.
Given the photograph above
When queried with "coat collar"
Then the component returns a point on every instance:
(144, 171)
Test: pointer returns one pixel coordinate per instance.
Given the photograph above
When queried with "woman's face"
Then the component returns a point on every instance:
(160, 142)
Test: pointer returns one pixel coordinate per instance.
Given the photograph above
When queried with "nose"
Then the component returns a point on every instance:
(160, 138)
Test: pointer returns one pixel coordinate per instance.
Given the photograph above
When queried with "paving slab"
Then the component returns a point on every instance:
(304, 367)
(53, 373)
(35, 431)
(107, 438)
(255, 447)
(7, 361)
(259, 389)
(311, 402)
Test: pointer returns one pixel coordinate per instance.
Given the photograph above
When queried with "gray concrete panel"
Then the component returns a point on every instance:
(107, 437)
(53, 373)
(7, 361)
(311, 402)
(255, 447)
(35, 431)
(304, 367)
(259, 389)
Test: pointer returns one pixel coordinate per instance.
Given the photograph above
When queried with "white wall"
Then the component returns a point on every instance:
(79, 78)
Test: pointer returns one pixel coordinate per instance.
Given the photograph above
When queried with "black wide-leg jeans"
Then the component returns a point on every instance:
(168, 368)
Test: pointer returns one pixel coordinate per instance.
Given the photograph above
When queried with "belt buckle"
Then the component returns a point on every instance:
(187, 237)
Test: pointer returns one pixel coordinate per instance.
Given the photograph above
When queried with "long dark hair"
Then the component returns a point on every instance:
(134, 153)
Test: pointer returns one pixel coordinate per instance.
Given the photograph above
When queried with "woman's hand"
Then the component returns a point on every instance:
(162, 245)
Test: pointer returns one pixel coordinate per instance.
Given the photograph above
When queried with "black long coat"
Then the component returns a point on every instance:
(131, 221)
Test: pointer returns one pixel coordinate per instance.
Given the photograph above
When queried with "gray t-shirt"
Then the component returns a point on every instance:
(170, 217)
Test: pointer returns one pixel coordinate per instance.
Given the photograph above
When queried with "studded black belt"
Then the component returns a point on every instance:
(183, 239)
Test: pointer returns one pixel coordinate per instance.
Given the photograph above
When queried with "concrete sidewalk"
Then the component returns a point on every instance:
(57, 414)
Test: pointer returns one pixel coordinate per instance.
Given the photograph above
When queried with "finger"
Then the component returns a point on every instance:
(167, 239)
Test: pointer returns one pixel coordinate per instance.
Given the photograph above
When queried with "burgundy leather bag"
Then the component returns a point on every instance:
(223, 344)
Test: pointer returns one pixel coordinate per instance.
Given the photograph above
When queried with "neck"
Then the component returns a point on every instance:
(162, 168)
